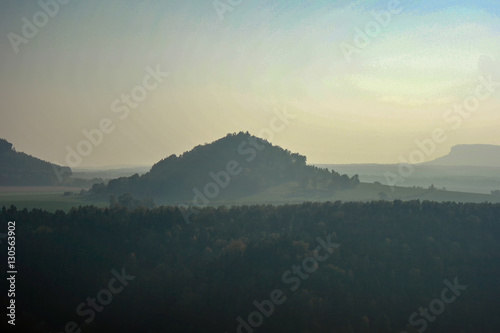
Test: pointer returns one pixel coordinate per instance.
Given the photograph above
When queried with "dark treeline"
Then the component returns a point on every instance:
(200, 277)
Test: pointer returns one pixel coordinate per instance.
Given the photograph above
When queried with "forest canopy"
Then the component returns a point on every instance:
(200, 277)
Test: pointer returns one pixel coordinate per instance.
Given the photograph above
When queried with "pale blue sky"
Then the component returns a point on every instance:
(230, 75)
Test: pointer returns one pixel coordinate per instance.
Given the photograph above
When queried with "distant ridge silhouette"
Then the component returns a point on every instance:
(470, 155)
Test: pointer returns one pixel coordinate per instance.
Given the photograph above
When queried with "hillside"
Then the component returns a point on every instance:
(20, 169)
(235, 166)
(470, 155)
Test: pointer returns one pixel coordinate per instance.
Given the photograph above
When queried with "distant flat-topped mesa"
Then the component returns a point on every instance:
(473, 155)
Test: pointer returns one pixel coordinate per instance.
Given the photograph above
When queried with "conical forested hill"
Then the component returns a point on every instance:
(236, 165)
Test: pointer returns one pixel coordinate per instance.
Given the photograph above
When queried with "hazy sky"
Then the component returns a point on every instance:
(232, 70)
